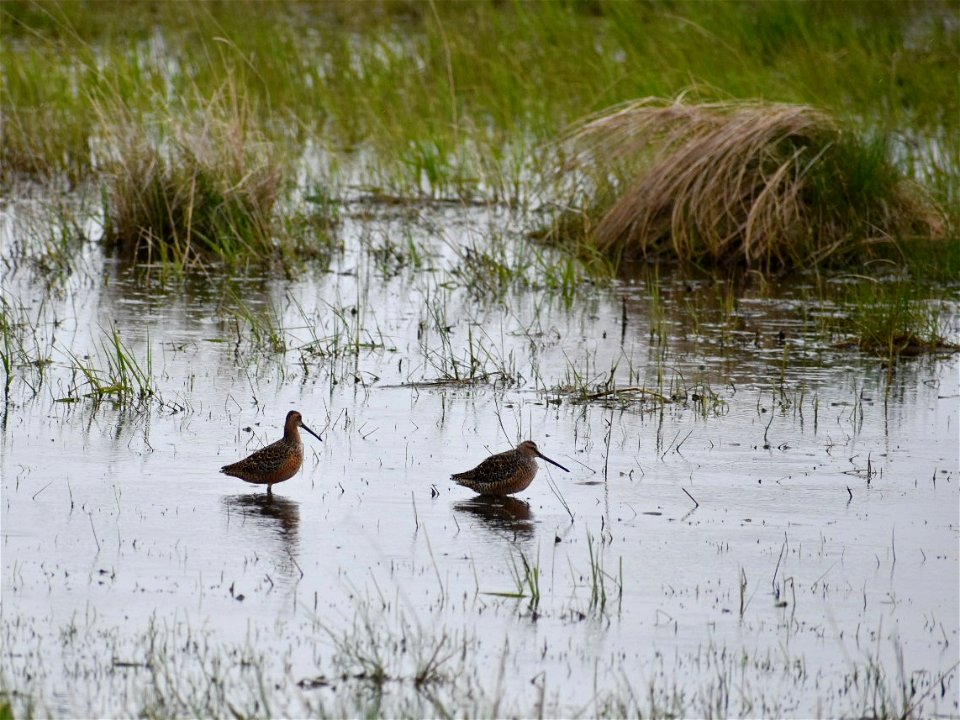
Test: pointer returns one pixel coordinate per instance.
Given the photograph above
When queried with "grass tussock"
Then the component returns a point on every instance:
(758, 185)
(113, 371)
(203, 189)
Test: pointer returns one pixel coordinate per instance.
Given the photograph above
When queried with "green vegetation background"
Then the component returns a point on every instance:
(468, 86)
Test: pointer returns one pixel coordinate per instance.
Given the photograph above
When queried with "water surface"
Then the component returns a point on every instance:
(775, 520)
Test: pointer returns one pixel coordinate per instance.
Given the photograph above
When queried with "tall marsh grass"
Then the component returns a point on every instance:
(198, 188)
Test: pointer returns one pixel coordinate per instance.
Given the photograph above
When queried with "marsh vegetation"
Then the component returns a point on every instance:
(704, 254)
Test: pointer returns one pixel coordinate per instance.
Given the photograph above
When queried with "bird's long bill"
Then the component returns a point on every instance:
(552, 462)
(311, 432)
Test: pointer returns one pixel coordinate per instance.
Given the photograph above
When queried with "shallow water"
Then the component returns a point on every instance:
(779, 538)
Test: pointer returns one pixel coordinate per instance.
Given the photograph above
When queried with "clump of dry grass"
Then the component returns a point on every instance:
(760, 185)
(190, 189)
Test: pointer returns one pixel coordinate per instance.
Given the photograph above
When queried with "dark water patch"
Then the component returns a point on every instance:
(506, 516)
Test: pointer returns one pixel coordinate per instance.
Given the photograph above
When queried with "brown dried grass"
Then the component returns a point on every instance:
(761, 185)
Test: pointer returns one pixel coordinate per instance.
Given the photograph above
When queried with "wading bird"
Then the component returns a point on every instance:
(276, 462)
(507, 472)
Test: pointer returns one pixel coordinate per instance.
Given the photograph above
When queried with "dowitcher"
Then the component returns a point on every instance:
(507, 472)
(276, 462)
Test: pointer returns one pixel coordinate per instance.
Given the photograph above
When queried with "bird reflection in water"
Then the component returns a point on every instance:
(267, 517)
(505, 515)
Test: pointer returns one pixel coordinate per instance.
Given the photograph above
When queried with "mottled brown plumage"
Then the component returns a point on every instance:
(505, 473)
(276, 462)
